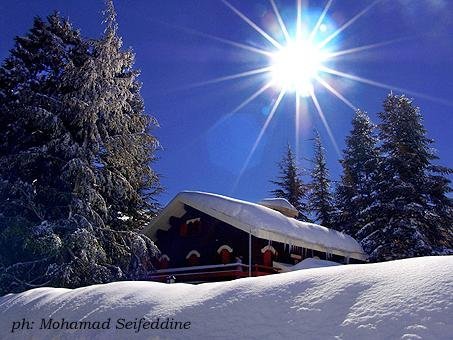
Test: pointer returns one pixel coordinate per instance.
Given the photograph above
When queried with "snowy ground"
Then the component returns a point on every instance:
(407, 299)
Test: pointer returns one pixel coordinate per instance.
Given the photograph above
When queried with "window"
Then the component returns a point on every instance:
(225, 253)
(163, 261)
(193, 226)
(193, 258)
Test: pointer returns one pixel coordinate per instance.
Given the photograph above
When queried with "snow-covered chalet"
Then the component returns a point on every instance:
(208, 237)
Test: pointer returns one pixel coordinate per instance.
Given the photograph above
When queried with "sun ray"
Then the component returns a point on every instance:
(385, 86)
(252, 24)
(226, 78)
(297, 130)
(320, 19)
(365, 47)
(299, 19)
(224, 117)
(260, 136)
(240, 45)
(264, 128)
(216, 38)
(348, 23)
(252, 97)
(247, 101)
(335, 92)
(324, 121)
(280, 21)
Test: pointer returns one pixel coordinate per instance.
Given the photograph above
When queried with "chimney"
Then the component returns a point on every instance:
(281, 205)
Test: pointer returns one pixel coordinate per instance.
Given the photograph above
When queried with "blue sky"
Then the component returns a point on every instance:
(202, 151)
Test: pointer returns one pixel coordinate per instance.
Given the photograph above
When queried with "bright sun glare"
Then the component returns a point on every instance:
(295, 66)
(298, 63)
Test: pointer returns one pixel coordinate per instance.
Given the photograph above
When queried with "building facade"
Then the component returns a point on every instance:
(207, 237)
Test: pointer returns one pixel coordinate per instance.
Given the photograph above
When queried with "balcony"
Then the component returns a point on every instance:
(210, 273)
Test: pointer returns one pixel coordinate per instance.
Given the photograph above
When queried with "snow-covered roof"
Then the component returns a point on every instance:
(261, 222)
(280, 204)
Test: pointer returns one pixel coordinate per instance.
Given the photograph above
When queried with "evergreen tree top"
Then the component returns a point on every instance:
(319, 156)
(404, 142)
(290, 185)
(320, 199)
(111, 24)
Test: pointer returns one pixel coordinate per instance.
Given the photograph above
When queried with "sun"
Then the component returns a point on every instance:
(301, 62)
(294, 67)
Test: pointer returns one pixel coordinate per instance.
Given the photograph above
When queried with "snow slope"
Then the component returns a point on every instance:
(406, 299)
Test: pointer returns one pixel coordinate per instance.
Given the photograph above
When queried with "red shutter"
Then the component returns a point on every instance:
(193, 260)
(163, 263)
(183, 230)
(267, 258)
(225, 256)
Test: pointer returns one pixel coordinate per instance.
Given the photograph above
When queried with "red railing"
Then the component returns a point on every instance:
(221, 272)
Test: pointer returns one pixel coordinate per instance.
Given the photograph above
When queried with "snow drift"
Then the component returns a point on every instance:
(405, 299)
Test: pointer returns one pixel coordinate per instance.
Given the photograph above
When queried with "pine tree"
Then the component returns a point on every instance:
(320, 198)
(119, 141)
(130, 144)
(71, 197)
(33, 149)
(354, 193)
(290, 185)
(412, 214)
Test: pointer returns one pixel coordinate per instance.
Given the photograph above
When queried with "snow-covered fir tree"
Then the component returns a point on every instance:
(290, 184)
(119, 134)
(75, 153)
(412, 216)
(320, 198)
(33, 150)
(354, 193)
